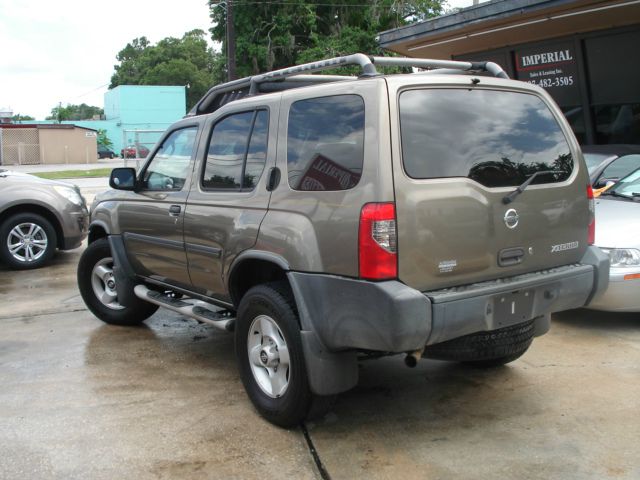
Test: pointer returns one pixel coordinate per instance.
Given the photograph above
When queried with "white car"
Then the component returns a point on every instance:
(618, 234)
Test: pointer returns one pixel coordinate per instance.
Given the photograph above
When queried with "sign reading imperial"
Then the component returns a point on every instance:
(552, 67)
(545, 58)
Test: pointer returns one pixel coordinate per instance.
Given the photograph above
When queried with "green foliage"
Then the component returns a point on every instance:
(22, 118)
(74, 112)
(103, 139)
(172, 61)
(271, 35)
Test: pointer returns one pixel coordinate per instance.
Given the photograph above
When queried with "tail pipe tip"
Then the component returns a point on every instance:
(411, 360)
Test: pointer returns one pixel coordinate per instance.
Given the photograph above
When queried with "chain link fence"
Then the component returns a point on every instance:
(19, 146)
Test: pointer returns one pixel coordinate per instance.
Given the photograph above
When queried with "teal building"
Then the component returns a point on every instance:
(138, 113)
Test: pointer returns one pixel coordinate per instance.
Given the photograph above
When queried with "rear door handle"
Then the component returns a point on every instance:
(174, 210)
(510, 256)
(274, 179)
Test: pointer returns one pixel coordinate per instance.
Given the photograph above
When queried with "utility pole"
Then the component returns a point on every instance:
(231, 43)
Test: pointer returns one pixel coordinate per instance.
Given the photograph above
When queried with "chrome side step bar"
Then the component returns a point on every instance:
(199, 312)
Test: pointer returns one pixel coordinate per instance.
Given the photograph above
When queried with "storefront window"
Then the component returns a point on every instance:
(617, 123)
(575, 117)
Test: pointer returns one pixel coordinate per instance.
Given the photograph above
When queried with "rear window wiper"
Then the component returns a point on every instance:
(507, 199)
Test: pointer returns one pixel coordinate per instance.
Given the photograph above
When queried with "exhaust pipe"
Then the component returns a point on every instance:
(411, 360)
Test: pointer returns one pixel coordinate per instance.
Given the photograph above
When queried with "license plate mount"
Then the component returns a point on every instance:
(513, 307)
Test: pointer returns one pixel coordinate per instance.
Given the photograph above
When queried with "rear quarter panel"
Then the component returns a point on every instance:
(317, 231)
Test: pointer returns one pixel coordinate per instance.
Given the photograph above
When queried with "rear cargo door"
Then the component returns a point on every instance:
(457, 153)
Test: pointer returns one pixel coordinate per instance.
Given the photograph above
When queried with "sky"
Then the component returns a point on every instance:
(65, 50)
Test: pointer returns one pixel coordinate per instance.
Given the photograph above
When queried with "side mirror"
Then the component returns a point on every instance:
(602, 182)
(123, 179)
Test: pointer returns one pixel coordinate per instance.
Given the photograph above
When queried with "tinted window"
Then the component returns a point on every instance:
(617, 123)
(621, 167)
(496, 138)
(257, 154)
(169, 167)
(325, 143)
(229, 147)
(575, 117)
(605, 55)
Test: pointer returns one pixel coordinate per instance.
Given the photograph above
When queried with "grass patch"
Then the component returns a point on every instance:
(94, 173)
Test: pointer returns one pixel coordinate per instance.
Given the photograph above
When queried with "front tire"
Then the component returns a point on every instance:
(27, 241)
(271, 359)
(98, 288)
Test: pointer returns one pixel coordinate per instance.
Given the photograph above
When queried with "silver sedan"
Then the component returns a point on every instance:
(618, 234)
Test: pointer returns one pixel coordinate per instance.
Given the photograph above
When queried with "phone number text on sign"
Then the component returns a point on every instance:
(552, 67)
(553, 82)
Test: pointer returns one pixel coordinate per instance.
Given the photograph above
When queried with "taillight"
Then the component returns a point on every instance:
(377, 242)
(591, 237)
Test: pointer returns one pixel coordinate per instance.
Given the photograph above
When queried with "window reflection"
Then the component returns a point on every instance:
(226, 152)
(575, 117)
(228, 156)
(325, 143)
(617, 123)
(169, 168)
(257, 154)
(495, 138)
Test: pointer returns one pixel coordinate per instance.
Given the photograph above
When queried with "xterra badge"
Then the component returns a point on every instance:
(564, 246)
(447, 266)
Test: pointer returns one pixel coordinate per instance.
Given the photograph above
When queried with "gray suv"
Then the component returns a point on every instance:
(443, 214)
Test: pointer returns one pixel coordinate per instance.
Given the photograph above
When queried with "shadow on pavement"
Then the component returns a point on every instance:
(593, 319)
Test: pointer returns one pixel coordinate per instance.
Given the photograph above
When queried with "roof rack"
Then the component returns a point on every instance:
(293, 77)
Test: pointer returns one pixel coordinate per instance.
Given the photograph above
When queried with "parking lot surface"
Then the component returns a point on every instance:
(81, 399)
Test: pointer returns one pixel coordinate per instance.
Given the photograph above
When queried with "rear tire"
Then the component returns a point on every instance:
(271, 359)
(486, 349)
(27, 241)
(98, 289)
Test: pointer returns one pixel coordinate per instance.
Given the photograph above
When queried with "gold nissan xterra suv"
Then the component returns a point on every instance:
(322, 218)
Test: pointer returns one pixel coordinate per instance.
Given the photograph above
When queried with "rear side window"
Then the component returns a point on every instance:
(498, 139)
(325, 143)
(237, 151)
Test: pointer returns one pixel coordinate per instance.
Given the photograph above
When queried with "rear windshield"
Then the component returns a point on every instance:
(496, 138)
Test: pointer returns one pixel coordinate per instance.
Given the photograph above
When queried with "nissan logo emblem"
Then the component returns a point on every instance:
(511, 218)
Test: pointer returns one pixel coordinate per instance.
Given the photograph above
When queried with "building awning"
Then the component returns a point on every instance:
(500, 23)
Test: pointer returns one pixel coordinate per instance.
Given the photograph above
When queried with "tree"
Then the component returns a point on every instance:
(74, 112)
(103, 139)
(21, 118)
(186, 61)
(271, 35)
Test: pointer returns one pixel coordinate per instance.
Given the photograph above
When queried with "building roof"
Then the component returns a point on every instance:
(45, 126)
(499, 23)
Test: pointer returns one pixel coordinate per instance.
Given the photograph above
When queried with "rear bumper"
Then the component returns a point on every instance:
(621, 295)
(347, 314)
